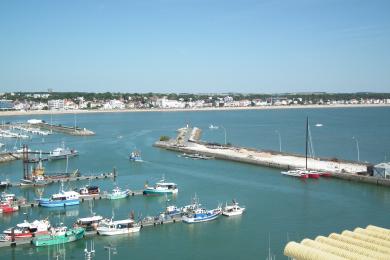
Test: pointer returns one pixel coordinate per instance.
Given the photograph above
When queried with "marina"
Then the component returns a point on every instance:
(265, 193)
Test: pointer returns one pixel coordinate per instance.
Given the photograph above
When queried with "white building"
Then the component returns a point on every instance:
(114, 104)
(57, 104)
(167, 103)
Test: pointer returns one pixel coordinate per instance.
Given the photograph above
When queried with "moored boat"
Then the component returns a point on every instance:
(232, 210)
(61, 199)
(296, 173)
(28, 229)
(8, 203)
(325, 174)
(111, 228)
(89, 190)
(197, 156)
(89, 223)
(62, 153)
(5, 184)
(117, 193)
(59, 235)
(201, 215)
(161, 188)
(172, 211)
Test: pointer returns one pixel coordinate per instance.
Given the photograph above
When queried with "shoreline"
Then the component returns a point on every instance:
(48, 112)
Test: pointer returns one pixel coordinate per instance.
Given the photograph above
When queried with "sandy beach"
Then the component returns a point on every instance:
(48, 112)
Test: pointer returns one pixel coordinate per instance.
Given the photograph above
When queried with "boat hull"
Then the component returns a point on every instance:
(191, 220)
(114, 232)
(116, 197)
(233, 213)
(70, 236)
(158, 192)
(295, 174)
(61, 203)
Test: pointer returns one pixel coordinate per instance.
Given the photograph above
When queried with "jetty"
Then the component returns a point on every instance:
(43, 128)
(70, 130)
(188, 141)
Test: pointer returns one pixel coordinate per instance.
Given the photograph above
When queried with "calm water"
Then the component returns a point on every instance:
(279, 208)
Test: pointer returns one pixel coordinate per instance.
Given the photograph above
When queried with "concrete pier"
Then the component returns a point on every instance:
(342, 169)
(76, 131)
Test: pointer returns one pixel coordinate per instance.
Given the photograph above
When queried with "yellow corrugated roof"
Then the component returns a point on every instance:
(369, 243)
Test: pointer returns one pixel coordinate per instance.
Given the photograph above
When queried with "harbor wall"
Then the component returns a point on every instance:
(341, 169)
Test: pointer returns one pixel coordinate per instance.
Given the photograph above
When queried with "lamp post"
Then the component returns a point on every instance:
(357, 147)
(224, 129)
(280, 140)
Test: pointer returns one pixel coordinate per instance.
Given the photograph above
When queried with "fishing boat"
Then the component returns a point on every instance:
(59, 235)
(232, 210)
(89, 190)
(89, 223)
(8, 207)
(212, 127)
(117, 193)
(62, 153)
(112, 228)
(319, 125)
(201, 215)
(161, 188)
(8, 203)
(172, 211)
(135, 156)
(61, 199)
(28, 229)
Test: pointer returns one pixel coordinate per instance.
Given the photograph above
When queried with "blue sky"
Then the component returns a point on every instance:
(263, 46)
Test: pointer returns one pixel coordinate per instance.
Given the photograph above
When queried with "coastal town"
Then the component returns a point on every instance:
(24, 101)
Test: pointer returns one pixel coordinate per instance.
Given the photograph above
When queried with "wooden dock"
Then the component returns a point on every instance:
(144, 223)
(67, 179)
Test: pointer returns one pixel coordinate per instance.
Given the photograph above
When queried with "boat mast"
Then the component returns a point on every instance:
(307, 129)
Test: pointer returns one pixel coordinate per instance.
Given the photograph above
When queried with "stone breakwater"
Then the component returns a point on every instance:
(342, 169)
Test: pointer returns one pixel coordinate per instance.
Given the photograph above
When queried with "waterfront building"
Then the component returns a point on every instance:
(382, 170)
(57, 104)
(6, 104)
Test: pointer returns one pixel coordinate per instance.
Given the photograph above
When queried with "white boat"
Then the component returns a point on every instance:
(112, 228)
(213, 127)
(5, 184)
(118, 193)
(232, 210)
(196, 156)
(296, 173)
(29, 229)
(62, 153)
(319, 125)
(161, 188)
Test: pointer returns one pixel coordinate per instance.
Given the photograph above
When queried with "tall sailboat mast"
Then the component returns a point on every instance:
(307, 129)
